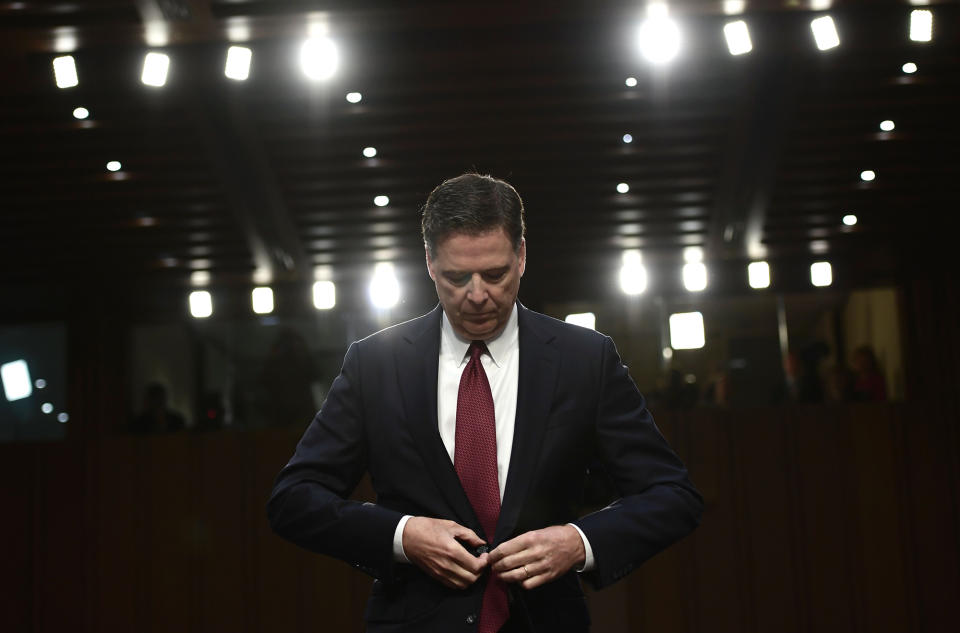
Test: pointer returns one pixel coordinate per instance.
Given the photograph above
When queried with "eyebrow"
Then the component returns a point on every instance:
(488, 271)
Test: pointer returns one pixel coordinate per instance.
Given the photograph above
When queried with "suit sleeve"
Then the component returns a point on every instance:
(658, 504)
(308, 505)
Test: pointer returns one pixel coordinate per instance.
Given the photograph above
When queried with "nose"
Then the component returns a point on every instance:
(476, 290)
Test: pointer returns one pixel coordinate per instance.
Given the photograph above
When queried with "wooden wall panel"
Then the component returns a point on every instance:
(17, 494)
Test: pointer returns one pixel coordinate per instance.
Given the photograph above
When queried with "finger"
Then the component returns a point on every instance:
(514, 561)
(467, 535)
(506, 548)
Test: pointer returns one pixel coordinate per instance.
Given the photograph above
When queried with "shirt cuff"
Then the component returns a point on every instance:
(588, 562)
(398, 553)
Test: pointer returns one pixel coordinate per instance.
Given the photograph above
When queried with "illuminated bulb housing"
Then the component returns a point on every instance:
(155, 68)
(630, 82)
(633, 275)
(369, 152)
(623, 187)
(658, 36)
(695, 276)
(354, 97)
(65, 72)
(384, 288)
(909, 68)
(381, 201)
(686, 330)
(201, 304)
(80, 113)
(825, 33)
(887, 126)
(262, 300)
(114, 165)
(921, 25)
(821, 274)
(319, 58)
(324, 295)
(758, 274)
(868, 175)
(238, 63)
(850, 219)
(15, 376)
(737, 35)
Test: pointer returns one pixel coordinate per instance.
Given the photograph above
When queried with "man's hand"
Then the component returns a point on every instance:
(537, 557)
(431, 545)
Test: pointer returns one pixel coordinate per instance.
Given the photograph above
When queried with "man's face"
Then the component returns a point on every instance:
(477, 279)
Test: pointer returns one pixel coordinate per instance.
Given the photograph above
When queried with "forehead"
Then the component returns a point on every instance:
(474, 252)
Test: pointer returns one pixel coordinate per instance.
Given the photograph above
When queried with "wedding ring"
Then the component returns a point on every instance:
(525, 571)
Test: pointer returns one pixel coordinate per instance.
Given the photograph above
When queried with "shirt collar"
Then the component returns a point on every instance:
(498, 347)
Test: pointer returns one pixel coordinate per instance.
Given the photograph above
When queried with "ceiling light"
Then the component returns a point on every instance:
(825, 33)
(62, 417)
(868, 175)
(114, 165)
(921, 25)
(15, 376)
(623, 187)
(262, 299)
(384, 287)
(686, 330)
(758, 274)
(695, 276)
(80, 113)
(633, 275)
(887, 126)
(627, 138)
(324, 295)
(734, 7)
(820, 5)
(155, 67)
(354, 97)
(658, 36)
(369, 152)
(693, 254)
(65, 72)
(850, 219)
(201, 304)
(738, 37)
(238, 63)
(909, 68)
(319, 58)
(821, 274)
(40, 383)
(583, 319)
(46, 407)
(381, 201)
(631, 82)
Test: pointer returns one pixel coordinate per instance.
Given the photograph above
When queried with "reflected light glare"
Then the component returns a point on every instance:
(46, 407)
(658, 36)
(695, 276)
(633, 275)
(693, 254)
(686, 330)
(734, 7)
(324, 295)
(850, 219)
(909, 68)
(65, 71)
(738, 37)
(262, 299)
(354, 97)
(369, 152)
(887, 126)
(630, 82)
(583, 319)
(820, 5)
(825, 33)
(114, 165)
(868, 175)
(156, 33)
(238, 63)
(384, 287)
(65, 39)
(623, 187)
(201, 304)
(758, 274)
(16, 380)
(381, 201)
(921, 25)
(627, 138)
(155, 67)
(821, 274)
(319, 58)
(80, 113)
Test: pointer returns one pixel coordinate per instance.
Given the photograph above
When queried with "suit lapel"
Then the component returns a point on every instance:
(539, 366)
(418, 387)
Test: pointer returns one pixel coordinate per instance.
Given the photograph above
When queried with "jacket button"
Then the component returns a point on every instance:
(472, 618)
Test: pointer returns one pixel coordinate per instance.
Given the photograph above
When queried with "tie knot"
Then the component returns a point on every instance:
(477, 349)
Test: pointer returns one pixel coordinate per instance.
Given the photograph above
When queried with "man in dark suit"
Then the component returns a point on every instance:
(478, 423)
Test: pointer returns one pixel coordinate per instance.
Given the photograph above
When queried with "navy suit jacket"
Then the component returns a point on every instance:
(577, 409)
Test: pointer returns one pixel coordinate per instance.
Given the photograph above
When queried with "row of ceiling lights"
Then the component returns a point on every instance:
(384, 288)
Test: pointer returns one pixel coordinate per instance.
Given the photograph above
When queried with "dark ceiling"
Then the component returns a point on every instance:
(757, 155)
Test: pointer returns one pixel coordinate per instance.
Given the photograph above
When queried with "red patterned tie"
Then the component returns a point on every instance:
(475, 460)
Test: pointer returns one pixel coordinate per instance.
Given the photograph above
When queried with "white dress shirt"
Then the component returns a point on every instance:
(502, 366)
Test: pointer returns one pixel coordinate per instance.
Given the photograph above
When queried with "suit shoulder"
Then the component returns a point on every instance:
(563, 330)
(407, 330)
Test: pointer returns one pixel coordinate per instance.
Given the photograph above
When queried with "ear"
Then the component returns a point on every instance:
(426, 252)
(523, 255)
